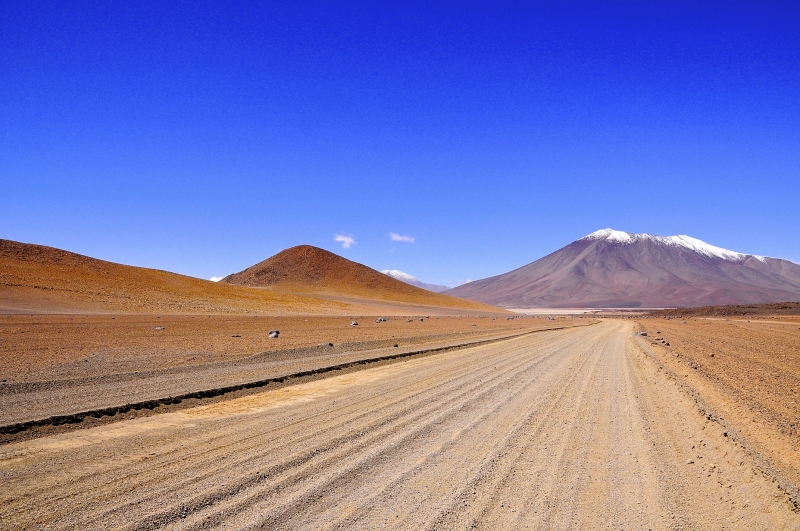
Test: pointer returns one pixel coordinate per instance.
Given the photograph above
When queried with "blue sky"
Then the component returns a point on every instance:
(204, 137)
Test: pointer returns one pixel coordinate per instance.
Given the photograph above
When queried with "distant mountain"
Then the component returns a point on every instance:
(614, 269)
(309, 270)
(408, 279)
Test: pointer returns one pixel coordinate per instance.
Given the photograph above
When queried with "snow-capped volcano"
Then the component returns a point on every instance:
(414, 281)
(615, 269)
(687, 242)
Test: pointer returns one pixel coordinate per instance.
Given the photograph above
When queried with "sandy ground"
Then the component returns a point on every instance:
(746, 374)
(57, 347)
(572, 429)
(62, 365)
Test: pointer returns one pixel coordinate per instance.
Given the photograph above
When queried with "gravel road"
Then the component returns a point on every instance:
(569, 429)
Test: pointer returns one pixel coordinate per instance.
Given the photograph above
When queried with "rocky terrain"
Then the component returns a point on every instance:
(746, 374)
(755, 310)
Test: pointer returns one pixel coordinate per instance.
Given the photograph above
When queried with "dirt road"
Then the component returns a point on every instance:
(570, 429)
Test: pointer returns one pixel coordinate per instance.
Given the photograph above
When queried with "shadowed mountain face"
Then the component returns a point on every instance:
(612, 269)
(306, 269)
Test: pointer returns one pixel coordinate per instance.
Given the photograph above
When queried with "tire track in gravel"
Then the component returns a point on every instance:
(560, 430)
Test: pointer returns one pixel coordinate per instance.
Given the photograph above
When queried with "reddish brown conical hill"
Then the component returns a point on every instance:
(309, 270)
(36, 278)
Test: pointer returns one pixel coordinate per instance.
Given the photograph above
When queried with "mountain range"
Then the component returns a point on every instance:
(414, 281)
(615, 269)
(606, 269)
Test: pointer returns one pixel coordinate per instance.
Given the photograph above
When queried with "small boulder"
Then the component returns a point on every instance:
(354, 323)
(274, 333)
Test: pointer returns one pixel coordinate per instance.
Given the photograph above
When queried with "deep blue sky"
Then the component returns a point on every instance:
(203, 137)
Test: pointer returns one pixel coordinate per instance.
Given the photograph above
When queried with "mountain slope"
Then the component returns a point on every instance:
(414, 281)
(35, 278)
(310, 270)
(614, 269)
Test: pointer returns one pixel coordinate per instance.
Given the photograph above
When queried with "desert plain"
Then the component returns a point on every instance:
(429, 413)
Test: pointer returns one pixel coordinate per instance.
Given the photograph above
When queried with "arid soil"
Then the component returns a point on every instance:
(746, 373)
(39, 279)
(66, 365)
(768, 310)
(581, 428)
(55, 347)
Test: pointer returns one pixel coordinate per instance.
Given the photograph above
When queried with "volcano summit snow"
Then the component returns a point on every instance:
(615, 269)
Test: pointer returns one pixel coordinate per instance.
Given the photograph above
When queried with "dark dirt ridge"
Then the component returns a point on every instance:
(778, 308)
(95, 417)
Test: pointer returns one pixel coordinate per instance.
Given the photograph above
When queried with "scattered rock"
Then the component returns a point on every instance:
(274, 333)
(690, 462)
(158, 328)
(354, 323)
(395, 345)
(236, 336)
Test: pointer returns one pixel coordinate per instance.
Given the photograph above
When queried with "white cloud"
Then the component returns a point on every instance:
(400, 238)
(347, 241)
(215, 279)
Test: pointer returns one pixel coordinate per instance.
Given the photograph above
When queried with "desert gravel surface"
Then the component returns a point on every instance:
(570, 429)
(746, 373)
(61, 365)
